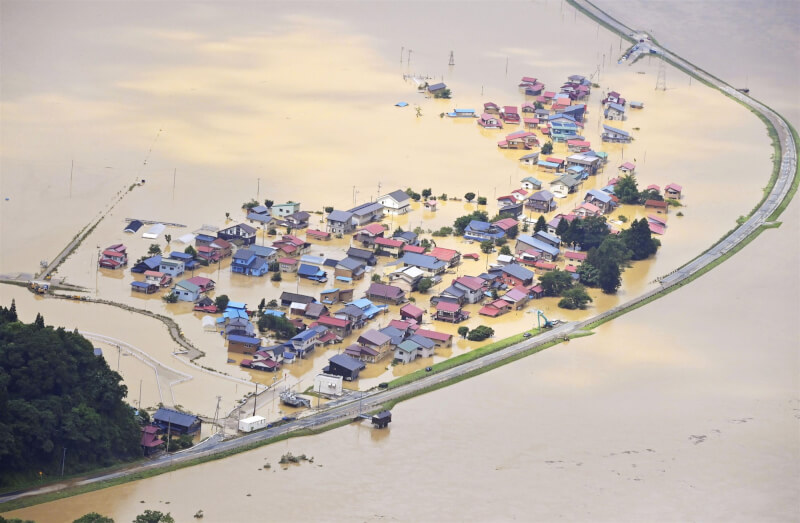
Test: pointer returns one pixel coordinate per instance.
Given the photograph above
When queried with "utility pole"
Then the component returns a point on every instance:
(63, 459)
(402, 48)
(255, 400)
(71, 169)
(452, 59)
(169, 434)
(506, 66)
(258, 190)
(174, 172)
(140, 395)
(408, 62)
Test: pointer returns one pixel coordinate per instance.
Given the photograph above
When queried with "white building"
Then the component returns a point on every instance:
(328, 385)
(252, 423)
(396, 202)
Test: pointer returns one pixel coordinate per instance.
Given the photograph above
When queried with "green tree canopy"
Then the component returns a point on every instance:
(626, 189)
(191, 251)
(487, 246)
(56, 394)
(154, 249)
(462, 221)
(154, 516)
(463, 331)
(541, 224)
(561, 228)
(555, 282)
(93, 517)
(575, 298)
(639, 240)
(480, 333)
(424, 285)
(221, 302)
(547, 148)
(469, 196)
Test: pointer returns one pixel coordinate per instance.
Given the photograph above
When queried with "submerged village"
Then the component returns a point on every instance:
(387, 297)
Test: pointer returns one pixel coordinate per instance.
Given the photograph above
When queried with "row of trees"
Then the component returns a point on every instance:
(479, 333)
(58, 401)
(627, 190)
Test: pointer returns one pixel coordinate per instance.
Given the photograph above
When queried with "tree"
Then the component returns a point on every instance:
(249, 205)
(227, 216)
(442, 93)
(469, 196)
(171, 298)
(329, 209)
(561, 228)
(276, 276)
(221, 302)
(525, 226)
(154, 249)
(376, 278)
(426, 192)
(443, 196)
(555, 282)
(268, 204)
(608, 276)
(424, 285)
(538, 105)
(55, 394)
(191, 251)
(463, 331)
(487, 246)
(589, 274)
(262, 305)
(461, 222)
(482, 200)
(272, 303)
(154, 516)
(594, 230)
(93, 517)
(626, 189)
(574, 232)
(168, 238)
(512, 232)
(282, 327)
(541, 224)
(575, 298)
(547, 148)
(505, 250)
(39, 321)
(480, 333)
(639, 240)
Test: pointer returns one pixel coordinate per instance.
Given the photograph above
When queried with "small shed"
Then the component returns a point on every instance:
(382, 419)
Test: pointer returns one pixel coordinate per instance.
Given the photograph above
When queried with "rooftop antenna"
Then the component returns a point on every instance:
(452, 59)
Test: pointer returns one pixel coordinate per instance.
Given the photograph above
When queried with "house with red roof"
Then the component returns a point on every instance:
(510, 114)
(575, 257)
(491, 108)
(386, 293)
(287, 264)
(658, 205)
(450, 256)
(439, 338)
(412, 312)
(506, 224)
(367, 235)
(490, 121)
(113, 257)
(627, 168)
(340, 326)
(673, 191)
(391, 246)
(450, 312)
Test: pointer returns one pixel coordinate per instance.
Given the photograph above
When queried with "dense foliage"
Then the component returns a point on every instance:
(461, 222)
(480, 333)
(55, 394)
(282, 327)
(575, 298)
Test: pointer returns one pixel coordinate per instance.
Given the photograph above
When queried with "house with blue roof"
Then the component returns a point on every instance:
(150, 264)
(304, 342)
(203, 240)
(601, 199)
(546, 251)
(312, 272)
(243, 344)
(482, 231)
(266, 253)
(425, 263)
(614, 111)
(261, 219)
(187, 291)
(614, 135)
(188, 260)
(514, 274)
(369, 309)
(546, 237)
(563, 131)
(246, 262)
(575, 111)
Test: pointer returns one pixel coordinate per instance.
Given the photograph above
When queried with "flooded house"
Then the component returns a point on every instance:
(513, 275)
(440, 339)
(367, 235)
(389, 246)
(296, 220)
(472, 288)
(366, 213)
(176, 422)
(246, 262)
(565, 185)
(550, 164)
(340, 326)
(428, 264)
(411, 312)
(450, 256)
(530, 159)
(450, 312)
(381, 292)
(282, 210)
(438, 88)
(290, 245)
(414, 347)
(601, 199)
(481, 231)
(314, 234)
(133, 226)
(614, 111)
(627, 168)
(408, 277)
(673, 191)
(613, 97)
(113, 257)
(552, 225)
(259, 218)
(240, 234)
(157, 278)
(188, 260)
(510, 114)
(243, 344)
(491, 108)
(304, 342)
(547, 251)
(577, 112)
(614, 135)
(364, 255)
(541, 201)
(550, 239)
(490, 121)
(345, 366)
(396, 202)
(187, 291)
(311, 272)
(575, 257)
(529, 183)
(287, 264)
(148, 264)
(659, 205)
(172, 267)
(377, 341)
(340, 222)
(561, 131)
(531, 123)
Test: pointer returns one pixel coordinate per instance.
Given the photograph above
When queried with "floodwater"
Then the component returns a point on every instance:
(226, 116)
(684, 409)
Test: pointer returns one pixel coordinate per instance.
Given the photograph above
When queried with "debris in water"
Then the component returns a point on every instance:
(198, 514)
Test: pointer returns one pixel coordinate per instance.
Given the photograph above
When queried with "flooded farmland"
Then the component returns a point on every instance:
(693, 398)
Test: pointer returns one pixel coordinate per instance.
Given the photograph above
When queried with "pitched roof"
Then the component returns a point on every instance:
(398, 196)
(373, 228)
(518, 272)
(446, 306)
(366, 208)
(506, 223)
(433, 335)
(297, 298)
(244, 339)
(600, 195)
(386, 291)
(440, 253)
(375, 337)
(340, 216)
(345, 361)
(543, 196)
(422, 260)
(332, 322)
(674, 187)
(389, 242)
(471, 282)
(174, 417)
(189, 286)
(351, 264)
(412, 310)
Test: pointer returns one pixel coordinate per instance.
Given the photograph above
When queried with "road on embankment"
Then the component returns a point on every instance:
(369, 401)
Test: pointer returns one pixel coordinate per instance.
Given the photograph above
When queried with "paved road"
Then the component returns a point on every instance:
(352, 406)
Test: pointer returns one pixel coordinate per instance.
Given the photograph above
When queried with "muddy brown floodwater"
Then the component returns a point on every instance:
(684, 409)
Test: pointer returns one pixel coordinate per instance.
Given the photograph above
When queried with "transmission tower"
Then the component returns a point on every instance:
(661, 81)
(452, 59)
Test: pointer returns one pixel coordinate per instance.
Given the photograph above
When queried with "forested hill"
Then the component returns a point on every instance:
(55, 394)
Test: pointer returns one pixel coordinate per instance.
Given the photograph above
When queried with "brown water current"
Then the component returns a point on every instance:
(685, 409)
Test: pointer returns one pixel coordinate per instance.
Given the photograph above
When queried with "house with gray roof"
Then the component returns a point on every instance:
(527, 243)
(350, 268)
(340, 222)
(396, 202)
(601, 199)
(541, 201)
(366, 256)
(426, 263)
(386, 293)
(366, 213)
(564, 185)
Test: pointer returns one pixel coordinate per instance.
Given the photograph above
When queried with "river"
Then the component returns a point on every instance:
(684, 409)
